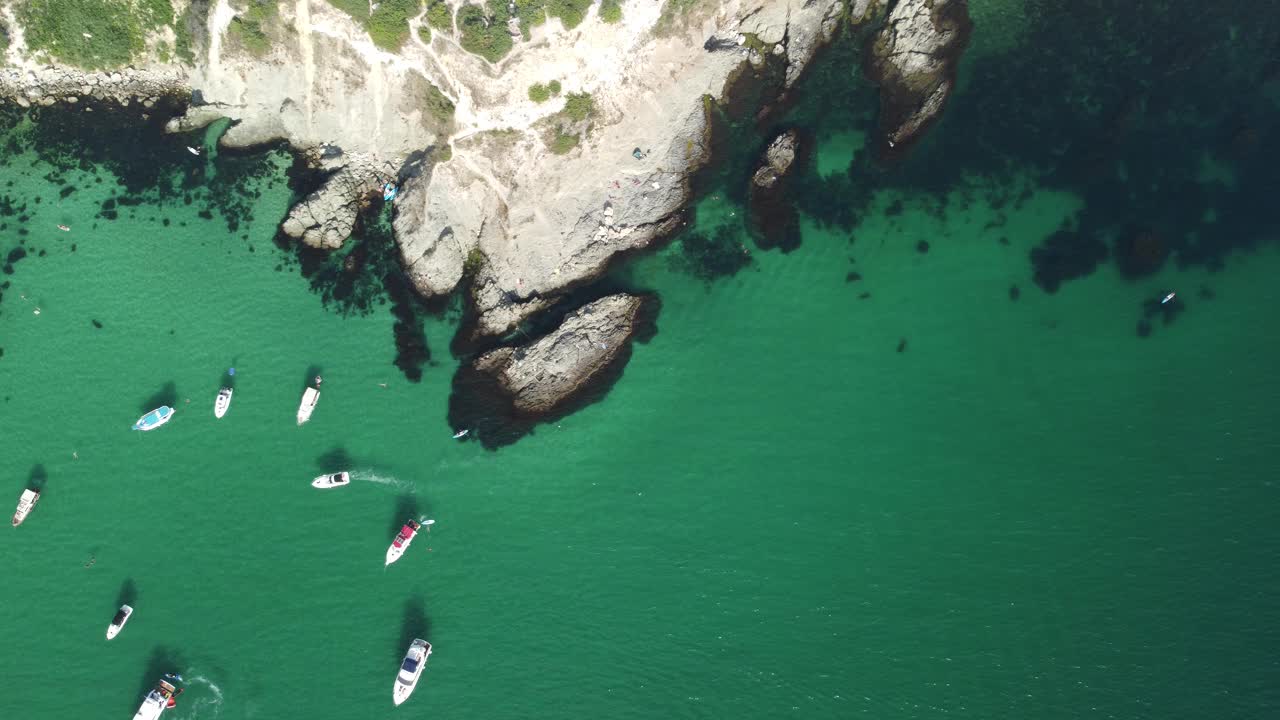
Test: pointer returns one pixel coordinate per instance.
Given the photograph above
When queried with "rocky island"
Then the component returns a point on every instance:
(533, 142)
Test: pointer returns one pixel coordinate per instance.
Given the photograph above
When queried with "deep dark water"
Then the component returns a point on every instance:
(1125, 105)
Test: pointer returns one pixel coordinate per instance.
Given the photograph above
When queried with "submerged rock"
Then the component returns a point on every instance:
(775, 222)
(914, 59)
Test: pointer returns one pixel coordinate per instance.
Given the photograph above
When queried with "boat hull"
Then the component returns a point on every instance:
(113, 629)
(154, 419)
(326, 482)
(419, 651)
(26, 504)
(310, 397)
(222, 403)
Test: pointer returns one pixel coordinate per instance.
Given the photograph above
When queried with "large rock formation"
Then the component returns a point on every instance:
(543, 375)
(914, 60)
(327, 216)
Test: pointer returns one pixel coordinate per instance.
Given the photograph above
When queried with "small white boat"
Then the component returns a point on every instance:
(162, 697)
(461, 433)
(332, 480)
(401, 543)
(25, 504)
(154, 419)
(415, 660)
(222, 402)
(117, 622)
(310, 397)
(1168, 297)
(193, 150)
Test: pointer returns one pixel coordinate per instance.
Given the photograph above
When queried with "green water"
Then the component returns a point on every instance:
(1028, 511)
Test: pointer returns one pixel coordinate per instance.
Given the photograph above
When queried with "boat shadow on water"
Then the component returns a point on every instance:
(162, 660)
(335, 460)
(128, 594)
(167, 395)
(415, 625)
(407, 508)
(313, 372)
(37, 478)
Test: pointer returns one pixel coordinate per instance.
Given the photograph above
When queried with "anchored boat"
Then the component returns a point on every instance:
(332, 480)
(403, 538)
(162, 697)
(154, 419)
(310, 397)
(410, 670)
(389, 192)
(117, 622)
(222, 402)
(25, 504)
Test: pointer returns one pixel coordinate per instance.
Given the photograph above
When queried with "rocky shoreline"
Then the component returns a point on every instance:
(486, 205)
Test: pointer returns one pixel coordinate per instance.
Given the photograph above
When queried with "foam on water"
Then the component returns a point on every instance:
(206, 706)
(373, 477)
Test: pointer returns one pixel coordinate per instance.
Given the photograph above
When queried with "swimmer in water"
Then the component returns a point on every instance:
(92, 560)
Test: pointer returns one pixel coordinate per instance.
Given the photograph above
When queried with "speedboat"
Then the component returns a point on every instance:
(461, 433)
(401, 543)
(25, 504)
(410, 670)
(223, 402)
(389, 192)
(310, 397)
(162, 697)
(117, 622)
(154, 419)
(193, 150)
(332, 480)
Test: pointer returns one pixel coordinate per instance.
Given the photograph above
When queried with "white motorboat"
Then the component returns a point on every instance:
(154, 419)
(117, 622)
(332, 480)
(401, 543)
(415, 660)
(162, 697)
(223, 402)
(310, 397)
(25, 504)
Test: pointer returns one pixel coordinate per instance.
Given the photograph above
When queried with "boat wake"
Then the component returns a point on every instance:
(373, 477)
(205, 705)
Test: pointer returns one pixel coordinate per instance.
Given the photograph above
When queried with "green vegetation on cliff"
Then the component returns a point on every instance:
(439, 16)
(388, 25)
(611, 11)
(674, 14)
(251, 27)
(92, 34)
(484, 30)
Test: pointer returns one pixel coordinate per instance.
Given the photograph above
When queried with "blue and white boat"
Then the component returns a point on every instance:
(389, 192)
(154, 419)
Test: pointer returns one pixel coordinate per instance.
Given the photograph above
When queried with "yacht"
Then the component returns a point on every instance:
(333, 480)
(162, 697)
(117, 622)
(25, 504)
(401, 543)
(154, 419)
(223, 402)
(410, 670)
(310, 397)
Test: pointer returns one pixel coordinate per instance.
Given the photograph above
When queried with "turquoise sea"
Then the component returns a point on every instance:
(865, 478)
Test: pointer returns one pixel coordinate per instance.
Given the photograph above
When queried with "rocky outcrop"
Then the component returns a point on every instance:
(543, 375)
(49, 85)
(774, 220)
(327, 216)
(914, 59)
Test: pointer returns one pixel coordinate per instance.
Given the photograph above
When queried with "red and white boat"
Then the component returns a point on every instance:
(403, 538)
